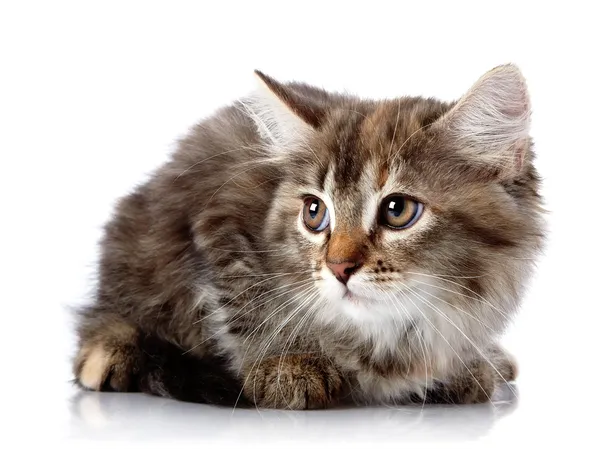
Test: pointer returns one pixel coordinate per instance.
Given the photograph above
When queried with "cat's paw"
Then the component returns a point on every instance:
(294, 382)
(102, 368)
(478, 382)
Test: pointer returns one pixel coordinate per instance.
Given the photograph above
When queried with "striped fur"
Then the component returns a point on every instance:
(208, 268)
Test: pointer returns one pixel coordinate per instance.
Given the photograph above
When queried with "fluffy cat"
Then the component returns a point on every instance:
(302, 248)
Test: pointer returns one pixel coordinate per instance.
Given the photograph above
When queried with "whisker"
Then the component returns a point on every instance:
(394, 135)
(454, 306)
(291, 273)
(421, 343)
(409, 137)
(477, 348)
(263, 303)
(269, 341)
(244, 251)
(444, 276)
(241, 293)
(273, 313)
(230, 321)
(445, 339)
(290, 340)
(479, 298)
(287, 302)
(370, 121)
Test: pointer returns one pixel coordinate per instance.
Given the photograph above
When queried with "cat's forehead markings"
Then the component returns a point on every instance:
(383, 176)
(393, 183)
(370, 189)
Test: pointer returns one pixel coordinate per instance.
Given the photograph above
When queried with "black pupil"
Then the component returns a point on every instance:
(396, 206)
(313, 209)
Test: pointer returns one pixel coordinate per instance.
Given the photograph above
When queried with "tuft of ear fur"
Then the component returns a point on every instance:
(282, 115)
(490, 124)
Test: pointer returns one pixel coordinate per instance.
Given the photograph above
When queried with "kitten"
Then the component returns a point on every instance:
(303, 248)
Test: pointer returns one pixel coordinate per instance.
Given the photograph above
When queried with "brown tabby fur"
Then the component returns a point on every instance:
(208, 256)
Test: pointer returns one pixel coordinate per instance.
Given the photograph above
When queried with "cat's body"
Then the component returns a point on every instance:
(213, 280)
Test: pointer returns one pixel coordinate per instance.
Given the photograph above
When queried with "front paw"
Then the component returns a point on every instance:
(478, 383)
(101, 367)
(293, 382)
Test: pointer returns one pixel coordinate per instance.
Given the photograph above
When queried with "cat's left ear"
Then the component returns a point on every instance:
(282, 114)
(489, 125)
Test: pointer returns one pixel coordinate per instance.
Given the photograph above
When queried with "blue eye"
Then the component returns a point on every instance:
(315, 214)
(399, 212)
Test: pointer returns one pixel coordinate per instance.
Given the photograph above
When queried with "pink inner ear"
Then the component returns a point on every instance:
(515, 109)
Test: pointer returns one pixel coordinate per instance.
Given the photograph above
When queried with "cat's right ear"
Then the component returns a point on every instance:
(282, 115)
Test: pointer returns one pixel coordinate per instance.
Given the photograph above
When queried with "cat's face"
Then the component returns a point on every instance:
(392, 217)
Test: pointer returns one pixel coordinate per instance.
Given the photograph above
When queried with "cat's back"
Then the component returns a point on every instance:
(214, 184)
(221, 144)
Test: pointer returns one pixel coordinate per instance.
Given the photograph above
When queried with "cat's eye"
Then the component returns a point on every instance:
(400, 212)
(315, 214)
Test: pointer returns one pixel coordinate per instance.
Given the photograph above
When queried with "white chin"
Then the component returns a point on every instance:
(343, 305)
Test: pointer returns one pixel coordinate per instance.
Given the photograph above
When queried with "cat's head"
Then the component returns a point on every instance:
(398, 207)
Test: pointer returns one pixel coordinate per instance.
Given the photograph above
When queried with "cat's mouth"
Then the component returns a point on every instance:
(355, 292)
(352, 297)
(360, 295)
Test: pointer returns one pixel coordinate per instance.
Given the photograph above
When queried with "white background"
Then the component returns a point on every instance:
(92, 96)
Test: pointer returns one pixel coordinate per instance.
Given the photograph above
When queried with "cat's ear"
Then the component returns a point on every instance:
(282, 115)
(489, 125)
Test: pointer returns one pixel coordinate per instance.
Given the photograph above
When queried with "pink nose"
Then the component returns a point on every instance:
(343, 270)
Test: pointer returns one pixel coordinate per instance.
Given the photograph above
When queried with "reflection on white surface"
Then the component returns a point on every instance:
(121, 417)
